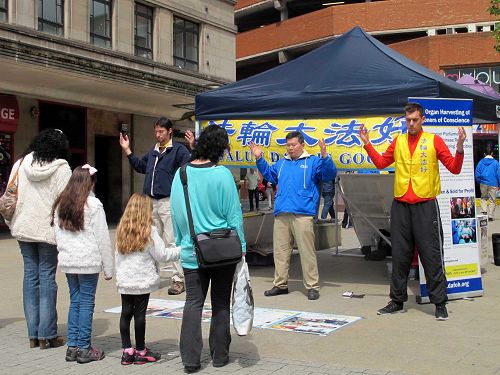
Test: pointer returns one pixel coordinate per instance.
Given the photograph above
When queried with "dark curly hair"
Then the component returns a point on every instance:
(211, 145)
(48, 145)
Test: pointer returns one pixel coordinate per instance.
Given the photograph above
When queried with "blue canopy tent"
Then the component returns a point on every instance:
(352, 75)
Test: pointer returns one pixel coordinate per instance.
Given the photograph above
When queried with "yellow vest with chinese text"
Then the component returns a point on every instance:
(422, 168)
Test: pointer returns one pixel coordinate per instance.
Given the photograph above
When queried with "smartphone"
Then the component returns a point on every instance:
(123, 128)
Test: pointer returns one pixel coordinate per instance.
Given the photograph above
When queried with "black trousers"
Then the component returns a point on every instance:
(251, 195)
(134, 305)
(417, 225)
(191, 342)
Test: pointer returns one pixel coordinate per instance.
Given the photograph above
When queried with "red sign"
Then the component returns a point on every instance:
(9, 113)
(485, 129)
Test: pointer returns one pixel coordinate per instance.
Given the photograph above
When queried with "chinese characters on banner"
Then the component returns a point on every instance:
(340, 135)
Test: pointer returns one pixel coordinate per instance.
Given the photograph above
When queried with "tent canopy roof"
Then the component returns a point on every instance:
(353, 74)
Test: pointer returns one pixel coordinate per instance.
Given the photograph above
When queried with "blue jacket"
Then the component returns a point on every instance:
(487, 172)
(160, 174)
(298, 182)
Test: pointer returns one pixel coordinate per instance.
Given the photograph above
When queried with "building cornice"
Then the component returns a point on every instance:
(46, 58)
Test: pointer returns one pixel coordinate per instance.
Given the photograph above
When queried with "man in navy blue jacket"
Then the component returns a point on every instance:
(159, 165)
(298, 176)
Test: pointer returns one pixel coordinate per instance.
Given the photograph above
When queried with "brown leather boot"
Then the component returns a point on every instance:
(52, 343)
(34, 343)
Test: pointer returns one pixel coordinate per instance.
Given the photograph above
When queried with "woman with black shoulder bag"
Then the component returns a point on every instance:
(207, 207)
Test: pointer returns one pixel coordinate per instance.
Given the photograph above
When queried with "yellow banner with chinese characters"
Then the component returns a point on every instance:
(341, 137)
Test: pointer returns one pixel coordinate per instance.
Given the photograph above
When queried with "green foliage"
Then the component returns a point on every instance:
(494, 10)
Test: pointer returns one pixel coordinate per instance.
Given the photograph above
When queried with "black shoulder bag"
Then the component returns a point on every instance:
(220, 247)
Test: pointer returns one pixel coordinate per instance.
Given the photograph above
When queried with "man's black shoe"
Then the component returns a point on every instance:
(441, 312)
(391, 308)
(312, 294)
(192, 369)
(275, 291)
(376, 255)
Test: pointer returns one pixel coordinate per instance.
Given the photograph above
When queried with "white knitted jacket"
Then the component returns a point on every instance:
(138, 272)
(39, 186)
(89, 250)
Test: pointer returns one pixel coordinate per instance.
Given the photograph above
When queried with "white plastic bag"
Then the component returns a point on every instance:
(243, 305)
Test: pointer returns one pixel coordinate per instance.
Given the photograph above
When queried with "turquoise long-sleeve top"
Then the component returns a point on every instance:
(214, 204)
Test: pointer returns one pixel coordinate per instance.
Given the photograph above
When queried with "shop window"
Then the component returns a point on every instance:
(186, 38)
(143, 31)
(3, 10)
(100, 23)
(51, 16)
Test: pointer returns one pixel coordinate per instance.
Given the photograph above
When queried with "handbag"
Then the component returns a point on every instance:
(217, 248)
(243, 304)
(8, 200)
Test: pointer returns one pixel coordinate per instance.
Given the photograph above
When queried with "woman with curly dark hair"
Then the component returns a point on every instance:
(214, 204)
(43, 174)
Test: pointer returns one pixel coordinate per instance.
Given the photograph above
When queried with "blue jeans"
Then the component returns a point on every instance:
(82, 288)
(328, 207)
(40, 289)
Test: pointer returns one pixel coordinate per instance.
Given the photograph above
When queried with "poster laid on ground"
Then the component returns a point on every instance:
(265, 318)
(456, 201)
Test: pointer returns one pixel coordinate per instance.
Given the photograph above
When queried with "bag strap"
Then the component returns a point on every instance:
(16, 175)
(183, 176)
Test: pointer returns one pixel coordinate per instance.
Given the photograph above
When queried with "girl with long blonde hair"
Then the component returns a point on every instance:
(139, 249)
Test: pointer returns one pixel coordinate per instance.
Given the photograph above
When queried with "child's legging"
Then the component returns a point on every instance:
(134, 305)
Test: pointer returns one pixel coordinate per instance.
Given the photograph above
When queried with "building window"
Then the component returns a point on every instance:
(143, 31)
(3, 10)
(51, 16)
(186, 36)
(100, 23)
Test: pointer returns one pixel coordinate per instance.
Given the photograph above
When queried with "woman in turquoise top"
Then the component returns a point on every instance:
(214, 204)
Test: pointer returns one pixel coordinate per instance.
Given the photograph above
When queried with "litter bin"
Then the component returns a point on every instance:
(495, 237)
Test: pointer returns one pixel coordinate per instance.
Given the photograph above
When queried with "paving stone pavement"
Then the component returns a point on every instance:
(18, 358)
(412, 343)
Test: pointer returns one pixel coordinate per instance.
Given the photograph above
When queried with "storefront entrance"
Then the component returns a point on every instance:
(108, 161)
(72, 121)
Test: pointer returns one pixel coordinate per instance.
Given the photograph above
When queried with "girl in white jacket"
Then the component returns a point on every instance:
(139, 249)
(84, 246)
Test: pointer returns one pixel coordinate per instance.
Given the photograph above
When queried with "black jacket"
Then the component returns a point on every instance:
(160, 174)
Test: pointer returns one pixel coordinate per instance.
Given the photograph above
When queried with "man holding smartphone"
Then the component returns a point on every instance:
(159, 165)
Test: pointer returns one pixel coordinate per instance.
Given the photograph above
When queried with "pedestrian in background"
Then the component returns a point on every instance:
(270, 192)
(488, 177)
(84, 247)
(328, 193)
(43, 174)
(139, 250)
(252, 178)
(159, 166)
(214, 204)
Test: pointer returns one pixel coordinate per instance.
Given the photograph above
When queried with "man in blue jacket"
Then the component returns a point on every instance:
(298, 176)
(488, 178)
(159, 165)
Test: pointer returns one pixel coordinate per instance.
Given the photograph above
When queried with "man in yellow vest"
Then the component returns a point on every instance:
(415, 220)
